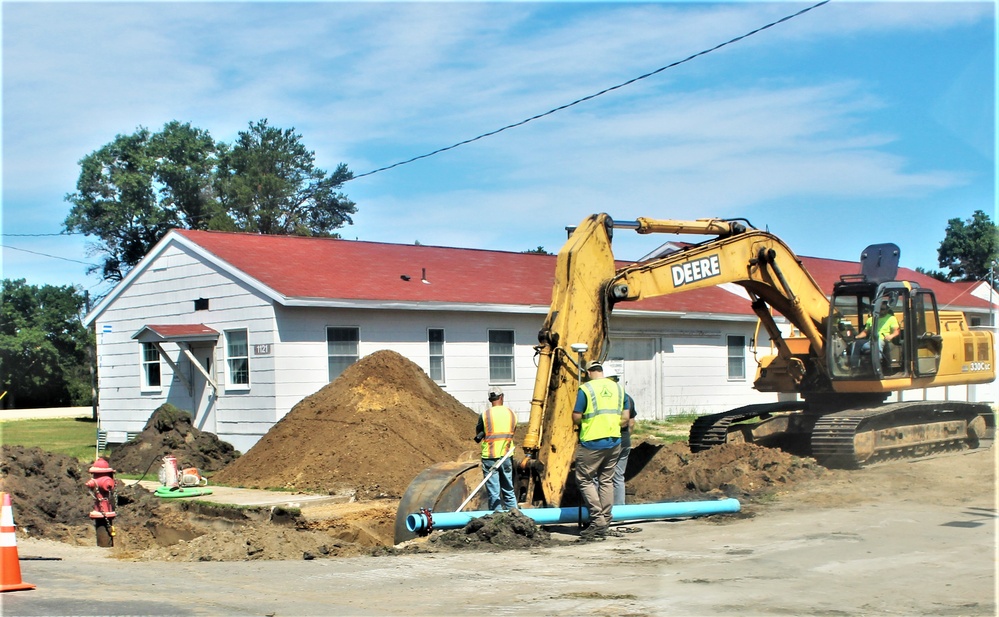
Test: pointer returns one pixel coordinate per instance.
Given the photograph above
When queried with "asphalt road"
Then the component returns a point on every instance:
(905, 538)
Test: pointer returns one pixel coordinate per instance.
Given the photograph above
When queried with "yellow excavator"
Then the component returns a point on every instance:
(838, 414)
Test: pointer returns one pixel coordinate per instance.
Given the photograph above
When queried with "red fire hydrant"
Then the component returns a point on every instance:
(102, 487)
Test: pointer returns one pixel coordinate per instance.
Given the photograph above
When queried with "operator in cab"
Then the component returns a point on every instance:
(887, 331)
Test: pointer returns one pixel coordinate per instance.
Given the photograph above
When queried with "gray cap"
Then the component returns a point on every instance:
(595, 366)
(495, 392)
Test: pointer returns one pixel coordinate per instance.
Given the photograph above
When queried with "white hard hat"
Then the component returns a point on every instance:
(609, 371)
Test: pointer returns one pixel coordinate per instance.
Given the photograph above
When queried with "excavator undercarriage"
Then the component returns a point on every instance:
(851, 438)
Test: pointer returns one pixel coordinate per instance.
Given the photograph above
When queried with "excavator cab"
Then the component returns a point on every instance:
(874, 300)
(856, 308)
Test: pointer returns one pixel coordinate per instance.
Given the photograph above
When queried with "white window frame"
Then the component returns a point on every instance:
(435, 350)
(737, 362)
(353, 357)
(230, 370)
(497, 357)
(147, 366)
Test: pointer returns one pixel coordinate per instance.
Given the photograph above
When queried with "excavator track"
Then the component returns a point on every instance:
(854, 438)
(858, 437)
(713, 429)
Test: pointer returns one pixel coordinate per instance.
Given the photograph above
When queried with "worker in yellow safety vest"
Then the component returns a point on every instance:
(599, 413)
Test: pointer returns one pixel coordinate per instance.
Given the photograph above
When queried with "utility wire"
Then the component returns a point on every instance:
(14, 248)
(61, 233)
(595, 95)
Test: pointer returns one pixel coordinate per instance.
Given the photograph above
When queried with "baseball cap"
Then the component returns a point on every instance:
(495, 392)
(595, 366)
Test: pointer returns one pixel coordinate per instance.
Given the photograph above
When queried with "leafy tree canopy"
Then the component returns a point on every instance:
(969, 248)
(43, 346)
(133, 190)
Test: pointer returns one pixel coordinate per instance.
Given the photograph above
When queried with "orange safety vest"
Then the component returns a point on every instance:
(499, 422)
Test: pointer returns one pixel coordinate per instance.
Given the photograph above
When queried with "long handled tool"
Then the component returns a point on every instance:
(487, 476)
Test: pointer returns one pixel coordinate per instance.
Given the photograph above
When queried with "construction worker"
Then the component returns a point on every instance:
(622, 461)
(599, 413)
(494, 431)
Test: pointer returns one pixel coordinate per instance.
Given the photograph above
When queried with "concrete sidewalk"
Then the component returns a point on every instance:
(48, 412)
(257, 497)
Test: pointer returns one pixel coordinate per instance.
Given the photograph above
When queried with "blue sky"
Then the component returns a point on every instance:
(853, 124)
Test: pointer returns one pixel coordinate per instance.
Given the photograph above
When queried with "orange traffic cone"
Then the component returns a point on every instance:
(10, 567)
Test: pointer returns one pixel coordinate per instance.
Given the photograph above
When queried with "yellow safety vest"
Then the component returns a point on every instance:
(499, 422)
(604, 403)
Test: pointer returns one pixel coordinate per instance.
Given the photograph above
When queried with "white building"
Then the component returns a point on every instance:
(238, 328)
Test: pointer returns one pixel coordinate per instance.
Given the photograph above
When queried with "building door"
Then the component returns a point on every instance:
(204, 395)
(635, 360)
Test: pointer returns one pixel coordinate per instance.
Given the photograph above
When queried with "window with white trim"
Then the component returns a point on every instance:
(435, 338)
(736, 357)
(501, 346)
(237, 353)
(341, 345)
(151, 379)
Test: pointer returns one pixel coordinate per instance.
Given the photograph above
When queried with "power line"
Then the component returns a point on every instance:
(14, 248)
(595, 95)
(62, 233)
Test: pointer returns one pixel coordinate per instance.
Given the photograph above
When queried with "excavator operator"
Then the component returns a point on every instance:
(887, 329)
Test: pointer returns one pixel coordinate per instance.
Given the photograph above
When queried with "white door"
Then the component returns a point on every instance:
(203, 395)
(635, 359)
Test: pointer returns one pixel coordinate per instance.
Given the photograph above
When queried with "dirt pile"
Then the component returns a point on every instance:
(48, 496)
(372, 430)
(672, 473)
(169, 431)
(495, 532)
(50, 500)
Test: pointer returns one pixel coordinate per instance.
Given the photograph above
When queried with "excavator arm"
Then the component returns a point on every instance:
(588, 284)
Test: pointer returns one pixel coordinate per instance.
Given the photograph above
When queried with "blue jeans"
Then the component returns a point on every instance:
(863, 348)
(621, 467)
(499, 486)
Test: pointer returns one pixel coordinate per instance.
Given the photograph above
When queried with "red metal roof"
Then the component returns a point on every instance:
(333, 269)
(179, 332)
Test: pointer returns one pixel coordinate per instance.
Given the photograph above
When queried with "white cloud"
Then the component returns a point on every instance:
(371, 84)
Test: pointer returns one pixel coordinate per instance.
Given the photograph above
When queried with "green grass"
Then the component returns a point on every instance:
(69, 436)
(669, 430)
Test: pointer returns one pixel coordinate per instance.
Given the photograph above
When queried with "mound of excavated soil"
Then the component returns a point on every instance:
(49, 499)
(169, 431)
(671, 472)
(371, 430)
(495, 532)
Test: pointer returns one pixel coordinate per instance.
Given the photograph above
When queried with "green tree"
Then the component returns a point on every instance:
(540, 251)
(43, 346)
(268, 183)
(969, 247)
(132, 191)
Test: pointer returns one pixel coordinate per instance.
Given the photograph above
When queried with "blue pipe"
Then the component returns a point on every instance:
(423, 522)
